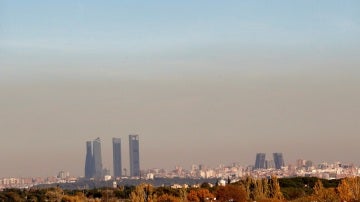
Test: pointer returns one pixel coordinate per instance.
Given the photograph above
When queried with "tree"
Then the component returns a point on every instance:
(192, 196)
(183, 194)
(319, 191)
(324, 195)
(349, 189)
(54, 194)
(142, 193)
(76, 198)
(13, 196)
(260, 190)
(344, 190)
(199, 195)
(168, 198)
(248, 183)
(275, 191)
(231, 193)
(204, 194)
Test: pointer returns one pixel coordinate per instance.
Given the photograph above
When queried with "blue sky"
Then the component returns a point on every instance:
(191, 75)
(141, 35)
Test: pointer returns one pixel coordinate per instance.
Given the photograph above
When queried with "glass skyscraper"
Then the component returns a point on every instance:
(134, 155)
(260, 161)
(98, 169)
(117, 157)
(93, 161)
(278, 160)
(89, 163)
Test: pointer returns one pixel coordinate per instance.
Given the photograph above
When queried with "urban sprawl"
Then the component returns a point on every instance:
(263, 168)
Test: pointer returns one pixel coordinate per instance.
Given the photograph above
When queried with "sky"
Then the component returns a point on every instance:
(201, 82)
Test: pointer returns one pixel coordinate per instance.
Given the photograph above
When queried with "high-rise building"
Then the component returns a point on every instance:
(98, 170)
(300, 163)
(134, 155)
(308, 164)
(89, 161)
(278, 160)
(260, 161)
(117, 157)
(269, 164)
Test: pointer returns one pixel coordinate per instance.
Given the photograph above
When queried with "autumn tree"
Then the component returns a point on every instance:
(319, 191)
(322, 194)
(260, 189)
(344, 190)
(349, 189)
(142, 193)
(54, 194)
(274, 191)
(231, 192)
(192, 196)
(75, 198)
(183, 194)
(199, 195)
(168, 198)
(249, 184)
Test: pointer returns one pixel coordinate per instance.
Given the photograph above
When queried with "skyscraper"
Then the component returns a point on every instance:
(269, 164)
(278, 160)
(98, 170)
(117, 157)
(260, 161)
(89, 163)
(134, 155)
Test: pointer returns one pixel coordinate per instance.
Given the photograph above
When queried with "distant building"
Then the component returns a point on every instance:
(300, 163)
(308, 164)
(117, 157)
(202, 167)
(98, 169)
(134, 155)
(63, 174)
(260, 161)
(278, 160)
(89, 161)
(269, 164)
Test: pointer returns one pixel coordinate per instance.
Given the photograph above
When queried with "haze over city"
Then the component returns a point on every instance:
(207, 82)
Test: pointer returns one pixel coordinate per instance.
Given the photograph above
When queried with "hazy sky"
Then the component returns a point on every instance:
(206, 82)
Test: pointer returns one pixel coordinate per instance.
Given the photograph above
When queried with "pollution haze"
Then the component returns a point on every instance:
(202, 82)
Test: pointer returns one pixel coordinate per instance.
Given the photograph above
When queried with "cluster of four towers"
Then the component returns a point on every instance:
(93, 161)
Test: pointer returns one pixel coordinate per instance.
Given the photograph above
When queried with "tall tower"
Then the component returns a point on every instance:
(98, 170)
(117, 157)
(278, 160)
(260, 161)
(134, 155)
(89, 161)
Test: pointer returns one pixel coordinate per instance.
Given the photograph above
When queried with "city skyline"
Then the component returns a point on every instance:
(201, 82)
(93, 158)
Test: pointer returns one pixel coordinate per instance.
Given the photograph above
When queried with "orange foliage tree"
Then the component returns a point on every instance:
(199, 195)
(231, 193)
(168, 198)
(322, 194)
(349, 189)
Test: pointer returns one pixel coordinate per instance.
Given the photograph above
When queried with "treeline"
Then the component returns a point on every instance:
(300, 189)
